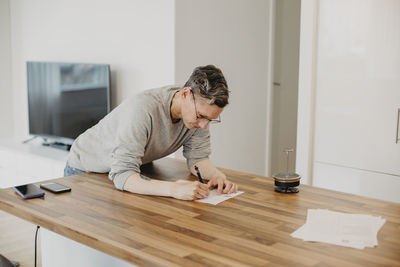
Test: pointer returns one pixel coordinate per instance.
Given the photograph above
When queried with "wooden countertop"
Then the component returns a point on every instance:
(252, 229)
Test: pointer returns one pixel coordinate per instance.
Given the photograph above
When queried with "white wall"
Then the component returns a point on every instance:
(135, 37)
(232, 35)
(6, 128)
(146, 43)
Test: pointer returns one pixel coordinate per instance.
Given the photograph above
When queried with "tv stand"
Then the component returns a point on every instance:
(52, 143)
(58, 145)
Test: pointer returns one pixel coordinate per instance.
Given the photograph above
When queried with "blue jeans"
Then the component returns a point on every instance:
(68, 170)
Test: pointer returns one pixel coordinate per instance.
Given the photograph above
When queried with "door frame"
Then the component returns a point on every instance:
(307, 89)
(270, 87)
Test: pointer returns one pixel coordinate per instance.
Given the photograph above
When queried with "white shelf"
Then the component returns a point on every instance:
(29, 163)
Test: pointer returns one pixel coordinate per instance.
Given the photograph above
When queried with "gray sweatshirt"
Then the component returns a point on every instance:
(136, 132)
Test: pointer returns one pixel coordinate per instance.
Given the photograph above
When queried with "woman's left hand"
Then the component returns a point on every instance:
(224, 186)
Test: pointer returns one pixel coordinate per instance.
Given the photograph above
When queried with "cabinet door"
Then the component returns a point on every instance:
(358, 85)
(359, 182)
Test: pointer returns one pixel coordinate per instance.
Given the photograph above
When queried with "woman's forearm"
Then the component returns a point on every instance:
(207, 170)
(140, 184)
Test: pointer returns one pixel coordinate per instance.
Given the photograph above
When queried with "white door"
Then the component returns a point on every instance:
(349, 102)
(358, 84)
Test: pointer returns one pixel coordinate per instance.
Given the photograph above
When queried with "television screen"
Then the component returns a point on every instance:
(65, 99)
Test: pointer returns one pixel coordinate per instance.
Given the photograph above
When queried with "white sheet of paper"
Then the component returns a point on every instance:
(349, 230)
(213, 198)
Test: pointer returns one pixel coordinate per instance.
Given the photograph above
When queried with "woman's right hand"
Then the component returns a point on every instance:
(190, 191)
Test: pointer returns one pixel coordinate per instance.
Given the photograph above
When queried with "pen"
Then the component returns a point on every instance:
(198, 174)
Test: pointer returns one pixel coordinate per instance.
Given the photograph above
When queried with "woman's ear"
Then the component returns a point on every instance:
(187, 91)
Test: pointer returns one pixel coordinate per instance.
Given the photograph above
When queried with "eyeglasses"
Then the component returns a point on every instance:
(204, 118)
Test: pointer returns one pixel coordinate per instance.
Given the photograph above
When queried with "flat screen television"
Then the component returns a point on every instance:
(66, 99)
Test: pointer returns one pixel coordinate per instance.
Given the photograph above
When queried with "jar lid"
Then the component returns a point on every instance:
(287, 177)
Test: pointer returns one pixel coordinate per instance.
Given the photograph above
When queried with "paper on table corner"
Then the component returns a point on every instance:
(344, 229)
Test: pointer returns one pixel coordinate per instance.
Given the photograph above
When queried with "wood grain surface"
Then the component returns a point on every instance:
(252, 229)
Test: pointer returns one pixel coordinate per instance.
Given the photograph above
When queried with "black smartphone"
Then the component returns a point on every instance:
(55, 188)
(29, 191)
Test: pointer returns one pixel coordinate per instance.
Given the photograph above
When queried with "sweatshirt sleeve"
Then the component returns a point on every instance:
(131, 140)
(197, 147)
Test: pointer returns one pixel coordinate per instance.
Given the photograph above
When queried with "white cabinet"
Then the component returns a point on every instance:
(63, 252)
(357, 97)
(29, 163)
(355, 181)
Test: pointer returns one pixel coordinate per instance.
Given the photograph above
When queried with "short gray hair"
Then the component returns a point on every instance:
(209, 82)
